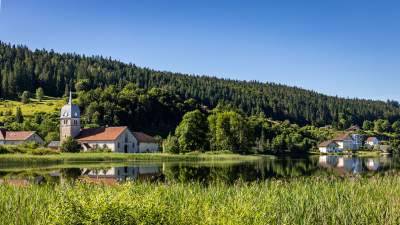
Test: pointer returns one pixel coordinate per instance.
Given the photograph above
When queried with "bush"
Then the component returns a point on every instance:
(25, 97)
(70, 145)
(30, 144)
(26, 148)
(171, 144)
(98, 149)
(4, 150)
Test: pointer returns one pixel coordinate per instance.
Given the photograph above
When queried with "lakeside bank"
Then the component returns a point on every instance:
(122, 157)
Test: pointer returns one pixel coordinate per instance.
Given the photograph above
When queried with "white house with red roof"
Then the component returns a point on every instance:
(344, 141)
(19, 137)
(328, 147)
(371, 142)
(117, 139)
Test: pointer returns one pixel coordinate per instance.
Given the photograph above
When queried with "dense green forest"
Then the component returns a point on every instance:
(24, 70)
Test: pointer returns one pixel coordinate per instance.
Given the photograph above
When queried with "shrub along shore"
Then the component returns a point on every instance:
(121, 157)
(299, 201)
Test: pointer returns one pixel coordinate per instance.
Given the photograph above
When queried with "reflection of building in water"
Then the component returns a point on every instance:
(341, 164)
(123, 173)
(15, 182)
(350, 164)
(328, 160)
(21, 182)
(373, 164)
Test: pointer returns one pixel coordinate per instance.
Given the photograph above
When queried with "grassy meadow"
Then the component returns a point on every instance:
(299, 201)
(48, 105)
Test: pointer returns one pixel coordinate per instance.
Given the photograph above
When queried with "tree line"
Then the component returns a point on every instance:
(224, 129)
(24, 70)
(187, 125)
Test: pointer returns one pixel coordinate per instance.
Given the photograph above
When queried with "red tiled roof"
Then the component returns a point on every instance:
(15, 135)
(100, 134)
(144, 138)
(371, 138)
(326, 143)
(342, 137)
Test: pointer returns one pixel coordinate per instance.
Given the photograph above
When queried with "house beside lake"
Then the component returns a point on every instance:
(116, 139)
(372, 142)
(347, 141)
(328, 147)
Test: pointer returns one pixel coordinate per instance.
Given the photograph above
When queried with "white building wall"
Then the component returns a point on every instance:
(323, 149)
(100, 144)
(36, 138)
(345, 145)
(126, 143)
(148, 147)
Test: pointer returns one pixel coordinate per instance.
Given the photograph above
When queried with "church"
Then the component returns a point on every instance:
(117, 139)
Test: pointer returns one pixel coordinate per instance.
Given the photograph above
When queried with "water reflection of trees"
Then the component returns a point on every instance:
(254, 171)
(280, 168)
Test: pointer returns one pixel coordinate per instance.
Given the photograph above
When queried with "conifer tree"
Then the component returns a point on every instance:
(39, 94)
(19, 118)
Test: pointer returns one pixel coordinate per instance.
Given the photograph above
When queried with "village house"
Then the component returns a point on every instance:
(19, 137)
(328, 147)
(344, 141)
(348, 141)
(116, 139)
(146, 142)
(372, 142)
(357, 141)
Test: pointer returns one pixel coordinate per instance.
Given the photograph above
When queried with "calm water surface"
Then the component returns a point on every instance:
(230, 172)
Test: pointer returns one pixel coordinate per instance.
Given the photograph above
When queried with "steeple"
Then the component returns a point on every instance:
(70, 124)
(70, 98)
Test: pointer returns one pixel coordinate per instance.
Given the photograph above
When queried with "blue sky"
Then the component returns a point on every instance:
(349, 48)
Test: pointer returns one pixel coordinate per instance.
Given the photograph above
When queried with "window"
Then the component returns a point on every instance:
(126, 138)
(118, 144)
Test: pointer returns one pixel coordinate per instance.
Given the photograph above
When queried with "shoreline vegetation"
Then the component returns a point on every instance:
(297, 201)
(351, 153)
(124, 157)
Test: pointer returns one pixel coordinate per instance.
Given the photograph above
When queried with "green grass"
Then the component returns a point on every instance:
(119, 157)
(26, 148)
(48, 105)
(299, 201)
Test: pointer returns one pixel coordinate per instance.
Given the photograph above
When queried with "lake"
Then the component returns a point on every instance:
(204, 172)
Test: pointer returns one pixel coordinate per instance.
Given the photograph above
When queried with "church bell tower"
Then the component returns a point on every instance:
(70, 122)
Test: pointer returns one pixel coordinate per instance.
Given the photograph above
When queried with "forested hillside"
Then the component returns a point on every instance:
(24, 70)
